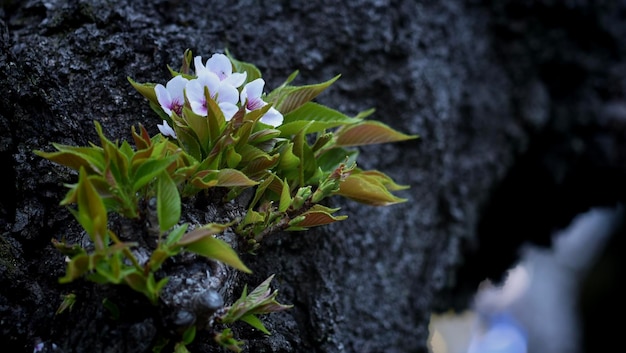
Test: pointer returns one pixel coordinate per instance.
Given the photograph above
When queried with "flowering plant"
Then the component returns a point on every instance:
(218, 130)
(293, 150)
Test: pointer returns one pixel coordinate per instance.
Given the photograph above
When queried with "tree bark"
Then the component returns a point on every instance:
(505, 98)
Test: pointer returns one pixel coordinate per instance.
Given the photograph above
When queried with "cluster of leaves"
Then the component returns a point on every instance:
(291, 168)
(111, 179)
(262, 300)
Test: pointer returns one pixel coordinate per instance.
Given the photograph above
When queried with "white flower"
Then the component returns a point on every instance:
(251, 97)
(166, 130)
(222, 92)
(172, 96)
(220, 65)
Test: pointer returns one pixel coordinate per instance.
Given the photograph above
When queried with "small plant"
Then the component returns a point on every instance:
(219, 130)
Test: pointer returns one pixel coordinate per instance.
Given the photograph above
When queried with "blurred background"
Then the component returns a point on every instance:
(565, 297)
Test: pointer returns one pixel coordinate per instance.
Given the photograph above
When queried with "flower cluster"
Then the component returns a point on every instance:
(223, 86)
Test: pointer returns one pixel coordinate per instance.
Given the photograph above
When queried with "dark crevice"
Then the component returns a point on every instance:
(548, 186)
(8, 198)
(602, 294)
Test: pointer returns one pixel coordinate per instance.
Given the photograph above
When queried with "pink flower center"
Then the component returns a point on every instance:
(254, 104)
(177, 107)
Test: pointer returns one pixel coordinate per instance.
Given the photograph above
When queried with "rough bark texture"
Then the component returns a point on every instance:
(521, 111)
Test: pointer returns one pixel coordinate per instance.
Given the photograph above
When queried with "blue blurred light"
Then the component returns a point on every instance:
(502, 335)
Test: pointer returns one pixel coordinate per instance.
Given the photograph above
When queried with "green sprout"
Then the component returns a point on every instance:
(67, 304)
(260, 301)
(219, 131)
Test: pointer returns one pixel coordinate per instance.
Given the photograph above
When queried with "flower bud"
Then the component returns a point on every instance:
(301, 196)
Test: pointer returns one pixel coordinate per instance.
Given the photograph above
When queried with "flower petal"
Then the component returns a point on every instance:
(195, 94)
(227, 94)
(164, 98)
(228, 109)
(236, 79)
(209, 79)
(166, 130)
(220, 65)
(195, 91)
(254, 89)
(272, 117)
(251, 94)
(197, 63)
(176, 88)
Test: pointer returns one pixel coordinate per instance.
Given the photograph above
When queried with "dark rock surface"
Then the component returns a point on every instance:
(521, 111)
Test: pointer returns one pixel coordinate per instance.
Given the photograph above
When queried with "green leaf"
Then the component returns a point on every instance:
(158, 257)
(263, 136)
(384, 179)
(181, 348)
(216, 120)
(308, 164)
(255, 322)
(289, 79)
(127, 150)
(116, 162)
(219, 250)
(201, 181)
(189, 143)
(149, 170)
(186, 65)
(158, 286)
(92, 214)
(108, 271)
(260, 191)
(146, 90)
(113, 309)
(323, 118)
(202, 241)
(289, 98)
(285, 197)
(68, 303)
(251, 217)
(260, 166)
(224, 178)
(199, 125)
(262, 300)
(168, 202)
(331, 159)
(249, 153)
(91, 158)
(176, 234)
(368, 189)
(146, 285)
(367, 133)
(228, 341)
(319, 217)
(232, 177)
(156, 107)
(137, 281)
(189, 335)
(104, 189)
(68, 250)
(232, 157)
(78, 266)
(322, 139)
(289, 163)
